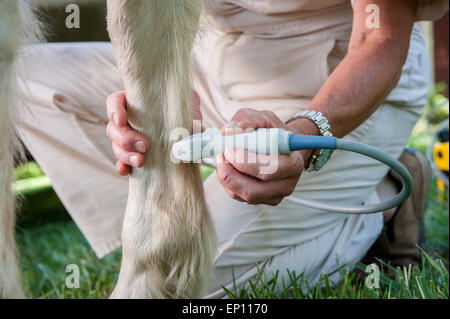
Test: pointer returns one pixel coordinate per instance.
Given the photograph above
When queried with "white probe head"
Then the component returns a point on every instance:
(193, 148)
(211, 143)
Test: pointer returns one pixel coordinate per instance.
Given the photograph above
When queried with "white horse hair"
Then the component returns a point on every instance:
(18, 26)
(168, 238)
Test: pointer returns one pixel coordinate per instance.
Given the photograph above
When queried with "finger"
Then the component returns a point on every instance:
(127, 139)
(273, 118)
(128, 158)
(254, 121)
(122, 169)
(264, 167)
(228, 177)
(116, 106)
(196, 113)
(246, 120)
(251, 190)
(234, 196)
(275, 201)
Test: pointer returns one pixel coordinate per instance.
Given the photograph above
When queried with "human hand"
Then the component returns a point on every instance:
(246, 181)
(128, 145)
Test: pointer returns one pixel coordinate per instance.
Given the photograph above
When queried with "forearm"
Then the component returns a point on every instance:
(359, 85)
(354, 91)
(369, 71)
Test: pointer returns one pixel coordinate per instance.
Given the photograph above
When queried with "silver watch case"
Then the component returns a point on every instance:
(320, 159)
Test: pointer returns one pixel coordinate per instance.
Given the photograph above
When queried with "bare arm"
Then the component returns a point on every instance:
(369, 71)
(360, 83)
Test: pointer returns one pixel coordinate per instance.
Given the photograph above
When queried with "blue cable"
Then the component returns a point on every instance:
(279, 141)
(304, 142)
(301, 142)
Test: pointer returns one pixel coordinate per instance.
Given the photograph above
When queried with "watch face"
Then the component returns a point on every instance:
(323, 159)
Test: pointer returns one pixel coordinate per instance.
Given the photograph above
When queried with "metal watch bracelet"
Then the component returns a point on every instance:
(318, 159)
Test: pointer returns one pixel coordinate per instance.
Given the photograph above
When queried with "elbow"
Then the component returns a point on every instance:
(390, 50)
(387, 53)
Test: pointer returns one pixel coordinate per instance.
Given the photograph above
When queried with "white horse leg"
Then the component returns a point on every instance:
(9, 42)
(168, 238)
(18, 25)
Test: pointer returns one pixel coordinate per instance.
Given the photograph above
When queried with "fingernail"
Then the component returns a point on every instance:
(134, 161)
(140, 147)
(231, 124)
(115, 118)
(228, 153)
(219, 159)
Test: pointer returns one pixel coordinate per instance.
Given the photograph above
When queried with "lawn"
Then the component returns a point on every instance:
(49, 241)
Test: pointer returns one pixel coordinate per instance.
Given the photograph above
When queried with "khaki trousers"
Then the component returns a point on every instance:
(64, 129)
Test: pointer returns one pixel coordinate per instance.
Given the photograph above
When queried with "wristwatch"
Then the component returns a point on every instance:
(320, 158)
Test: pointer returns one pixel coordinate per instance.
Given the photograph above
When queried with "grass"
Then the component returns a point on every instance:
(436, 223)
(49, 241)
(429, 282)
(437, 212)
(48, 248)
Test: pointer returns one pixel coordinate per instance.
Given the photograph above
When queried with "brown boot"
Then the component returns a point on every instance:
(397, 244)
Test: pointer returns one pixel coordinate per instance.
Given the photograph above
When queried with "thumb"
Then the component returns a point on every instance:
(196, 112)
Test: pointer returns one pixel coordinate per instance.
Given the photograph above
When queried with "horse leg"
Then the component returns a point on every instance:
(18, 26)
(168, 238)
